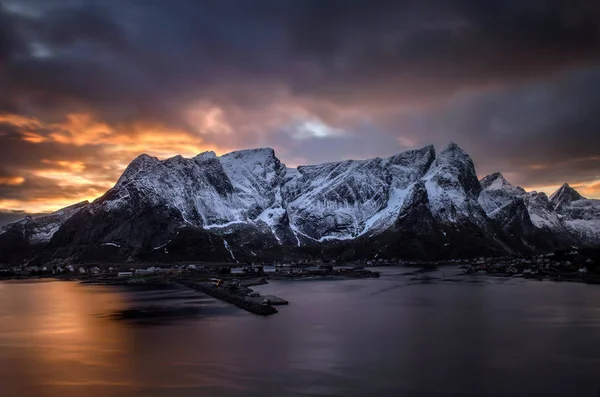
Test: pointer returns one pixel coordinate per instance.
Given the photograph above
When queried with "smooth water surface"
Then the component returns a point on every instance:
(405, 334)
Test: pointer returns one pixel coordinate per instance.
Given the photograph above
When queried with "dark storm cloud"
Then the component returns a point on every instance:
(146, 54)
(514, 82)
(540, 134)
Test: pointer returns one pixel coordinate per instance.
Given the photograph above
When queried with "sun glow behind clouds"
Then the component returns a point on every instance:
(589, 189)
(83, 158)
(314, 128)
(11, 180)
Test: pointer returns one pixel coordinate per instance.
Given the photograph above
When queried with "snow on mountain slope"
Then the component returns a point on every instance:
(345, 199)
(564, 196)
(237, 191)
(541, 212)
(246, 204)
(453, 188)
(580, 215)
(497, 192)
(257, 176)
(566, 214)
(198, 188)
(41, 229)
(405, 169)
(207, 190)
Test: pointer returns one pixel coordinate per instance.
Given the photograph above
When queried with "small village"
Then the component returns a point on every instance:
(582, 263)
(570, 265)
(227, 283)
(140, 272)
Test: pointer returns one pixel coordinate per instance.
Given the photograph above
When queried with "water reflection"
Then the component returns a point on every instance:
(392, 336)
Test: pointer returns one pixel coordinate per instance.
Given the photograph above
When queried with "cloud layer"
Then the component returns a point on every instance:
(89, 84)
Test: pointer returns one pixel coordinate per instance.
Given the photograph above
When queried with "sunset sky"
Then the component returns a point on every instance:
(87, 85)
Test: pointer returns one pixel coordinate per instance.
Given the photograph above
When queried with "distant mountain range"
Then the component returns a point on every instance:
(247, 206)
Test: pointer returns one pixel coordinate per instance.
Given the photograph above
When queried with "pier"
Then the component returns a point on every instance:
(261, 305)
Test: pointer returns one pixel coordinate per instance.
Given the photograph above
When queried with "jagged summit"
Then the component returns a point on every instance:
(494, 181)
(40, 230)
(565, 194)
(453, 170)
(264, 151)
(497, 181)
(452, 146)
(206, 155)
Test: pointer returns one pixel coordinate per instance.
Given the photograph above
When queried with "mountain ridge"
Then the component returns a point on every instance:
(246, 205)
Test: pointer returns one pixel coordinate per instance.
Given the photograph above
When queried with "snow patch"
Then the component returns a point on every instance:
(387, 216)
(112, 244)
(222, 225)
(228, 248)
(165, 244)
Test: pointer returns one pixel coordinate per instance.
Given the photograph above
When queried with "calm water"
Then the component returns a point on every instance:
(420, 334)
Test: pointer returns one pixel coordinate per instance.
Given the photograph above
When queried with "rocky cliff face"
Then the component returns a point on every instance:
(26, 237)
(344, 200)
(533, 216)
(580, 216)
(246, 205)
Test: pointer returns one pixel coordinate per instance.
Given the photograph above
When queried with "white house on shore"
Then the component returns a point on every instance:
(238, 270)
(145, 272)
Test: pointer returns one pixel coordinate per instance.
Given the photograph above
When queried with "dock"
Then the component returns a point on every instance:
(255, 305)
(269, 299)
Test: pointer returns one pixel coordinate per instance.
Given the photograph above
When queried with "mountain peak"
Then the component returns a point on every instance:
(452, 178)
(565, 195)
(246, 204)
(265, 151)
(452, 153)
(206, 156)
(496, 181)
(452, 147)
(141, 162)
(261, 158)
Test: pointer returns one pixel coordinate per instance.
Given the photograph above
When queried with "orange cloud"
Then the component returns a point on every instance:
(33, 137)
(91, 176)
(20, 121)
(42, 205)
(591, 189)
(11, 180)
(82, 129)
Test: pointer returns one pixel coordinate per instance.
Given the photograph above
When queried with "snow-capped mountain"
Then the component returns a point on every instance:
(580, 215)
(28, 235)
(497, 192)
(555, 223)
(40, 230)
(347, 199)
(564, 196)
(247, 205)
